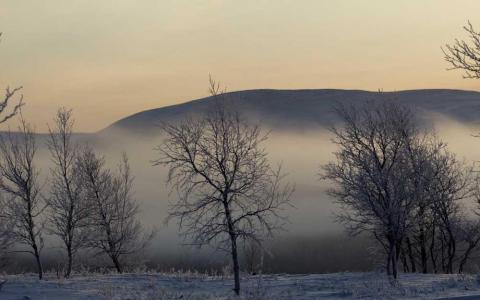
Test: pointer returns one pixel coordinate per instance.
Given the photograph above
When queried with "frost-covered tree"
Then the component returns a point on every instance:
(452, 184)
(67, 205)
(227, 189)
(401, 184)
(371, 173)
(113, 216)
(22, 202)
(440, 183)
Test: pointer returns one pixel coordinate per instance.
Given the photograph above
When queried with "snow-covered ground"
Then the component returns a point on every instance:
(195, 286)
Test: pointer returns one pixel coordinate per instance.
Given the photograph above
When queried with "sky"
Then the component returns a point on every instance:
(111, 58)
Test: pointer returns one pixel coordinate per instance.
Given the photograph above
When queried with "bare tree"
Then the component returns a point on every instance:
(402, 185)
(371, 173)
(465, 55)
(254, 255)
(451, 184)
(469, 234)
(6, 236)
(5, 103)
(115, 229)
(441, 182)
(227, 189)
(68, 208)
(19, 181)
(10, 94)
(420, 153)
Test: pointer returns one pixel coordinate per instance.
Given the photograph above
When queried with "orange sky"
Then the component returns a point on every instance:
(107, 59)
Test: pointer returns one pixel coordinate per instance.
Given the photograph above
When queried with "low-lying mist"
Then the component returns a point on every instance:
(311, 242)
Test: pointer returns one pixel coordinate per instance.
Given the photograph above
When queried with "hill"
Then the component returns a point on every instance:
(306, 108)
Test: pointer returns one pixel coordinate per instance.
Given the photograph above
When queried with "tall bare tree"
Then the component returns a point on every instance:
(6, 113)
(227, 189)
(68, 208)
(465, 55)
(113, 219)
(22, 201)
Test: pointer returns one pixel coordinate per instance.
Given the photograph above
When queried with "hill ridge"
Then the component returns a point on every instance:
(308, 107)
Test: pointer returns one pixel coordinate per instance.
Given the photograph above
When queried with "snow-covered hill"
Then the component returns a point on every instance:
(306, 108)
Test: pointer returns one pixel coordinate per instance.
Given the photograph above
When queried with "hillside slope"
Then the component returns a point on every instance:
(307, 108)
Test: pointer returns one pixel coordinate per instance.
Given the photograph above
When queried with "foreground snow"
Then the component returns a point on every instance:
(181, 286)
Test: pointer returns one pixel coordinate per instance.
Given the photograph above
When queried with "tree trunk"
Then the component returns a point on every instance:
(404, 261)
(33, 240)
(394, 262)
(389, 263)
(233, 240)
(451, 252)
(432, 251)
(116, 263)
(68, 271)
(423, 251)
(463, 262)
(39, 262)
(442, 248)
(236, 266)
(410, 256)
(70, 231)
(389, 259)
(465, 258)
